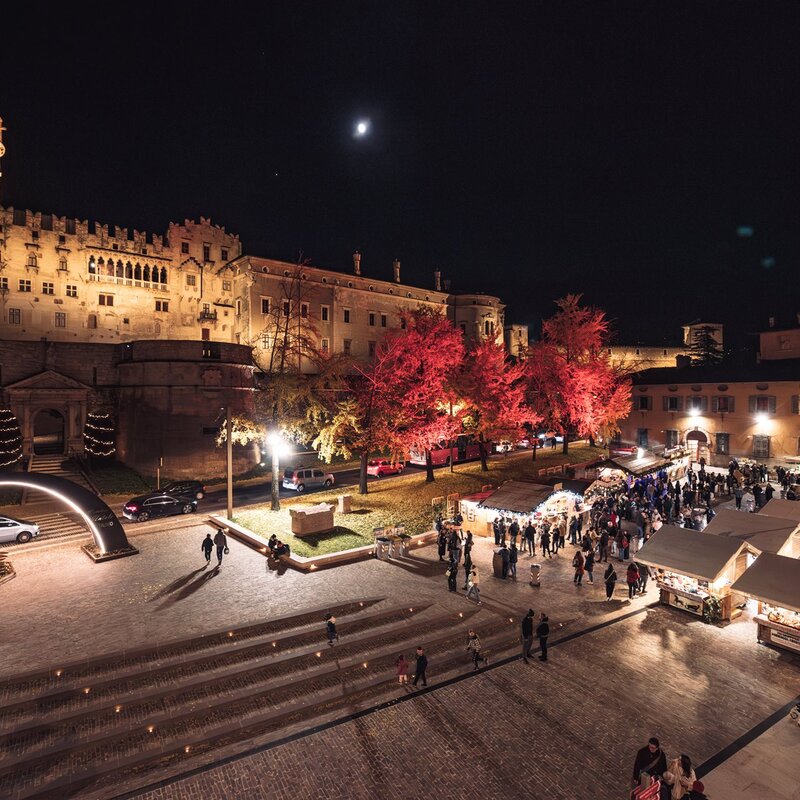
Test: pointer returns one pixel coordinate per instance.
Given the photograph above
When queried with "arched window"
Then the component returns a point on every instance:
(33, 260)
(146, 276)
(120, 270)
(129, 270)
(92, 266)
(137, 272)
(163, 274)
(62, 263)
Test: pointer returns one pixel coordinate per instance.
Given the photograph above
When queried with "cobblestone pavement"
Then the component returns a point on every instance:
(568, 729)
(565, 729)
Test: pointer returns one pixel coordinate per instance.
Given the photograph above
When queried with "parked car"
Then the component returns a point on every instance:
(188, 490)
(17, 530)
(157, 504)
(301, 478)
(381, 466)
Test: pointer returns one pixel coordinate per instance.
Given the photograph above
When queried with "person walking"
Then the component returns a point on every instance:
(680, 777)
(207, 546)
(589, 565)
(632, 579)
(610, 578)
(452, 573)
(513, 555)
(644, 576)
(467, 567)
(401, 668)
(474, 644)
(604, 545)
(221, 541)
(542, 632)
(513, 532)
(421, 667)
(578, 561)
(330, 629)
(527, 635)
(474, 585)
(503, 553)
(738, 494)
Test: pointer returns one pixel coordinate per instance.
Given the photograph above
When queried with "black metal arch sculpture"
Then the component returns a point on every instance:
(108, 533)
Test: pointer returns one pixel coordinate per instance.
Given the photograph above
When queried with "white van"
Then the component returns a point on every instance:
(301, 478)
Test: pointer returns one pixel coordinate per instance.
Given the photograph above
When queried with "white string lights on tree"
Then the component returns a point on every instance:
(98, 434)
(10, 439)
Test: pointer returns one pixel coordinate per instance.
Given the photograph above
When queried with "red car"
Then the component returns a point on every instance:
(380, 467)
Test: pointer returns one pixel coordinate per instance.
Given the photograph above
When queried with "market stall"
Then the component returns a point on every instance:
(696, 570)
(614, 473)
(519, 500)
(780, 507)
(761, 533)
(774, 581)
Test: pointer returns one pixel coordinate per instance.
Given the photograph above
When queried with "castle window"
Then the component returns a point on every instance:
(62, 264)
(372, 317)
(185, 248)
(48, 288)
(72, 290)
(33, 260)
(129, 271)
(226, 286)
(137, 272)
(206, 252)
(61, 319)
(191, 280)
(162, 306)
(383, 320)
(224, 253)
(325, 345)
(3, 284)
(265, 303)
(347, 346)
(287, 308)
(304, 310)
(91, 322)
(24, 286)
(92, 266)
(163, 275)
(14, 316)
(346, 315)
(324, 313)
(106, 300)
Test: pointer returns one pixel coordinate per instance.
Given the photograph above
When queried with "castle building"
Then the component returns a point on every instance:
(163, 331)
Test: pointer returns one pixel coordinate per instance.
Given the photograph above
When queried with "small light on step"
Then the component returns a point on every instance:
(318, 655)
(59, 673)
(364, 665)
(230, 633)
(151, 728)
(87, 690)
(186, 749)
(117, 709)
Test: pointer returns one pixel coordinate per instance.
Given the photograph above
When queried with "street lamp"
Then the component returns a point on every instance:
(279, 448)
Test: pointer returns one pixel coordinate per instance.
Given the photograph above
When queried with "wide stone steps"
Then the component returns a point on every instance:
(163, 746)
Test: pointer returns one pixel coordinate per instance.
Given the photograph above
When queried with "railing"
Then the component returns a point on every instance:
(207, 316)
(127, 281)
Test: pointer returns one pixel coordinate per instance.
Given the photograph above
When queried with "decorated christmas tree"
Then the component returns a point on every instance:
(98, 434)
(10, 439)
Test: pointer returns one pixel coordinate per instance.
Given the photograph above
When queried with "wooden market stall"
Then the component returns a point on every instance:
(780, 507)
(520, 500)
(761, 533)
(614, 472)
(774, 581)
(696, 570)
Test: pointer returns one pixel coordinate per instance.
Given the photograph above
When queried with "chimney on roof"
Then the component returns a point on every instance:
(357, 262)
(437, 280)
(772, 322)
(396, 267)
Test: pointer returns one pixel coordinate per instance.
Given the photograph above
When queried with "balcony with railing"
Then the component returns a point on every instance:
(207, 315)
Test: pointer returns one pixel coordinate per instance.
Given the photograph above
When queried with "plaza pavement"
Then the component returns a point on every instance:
(567, 729)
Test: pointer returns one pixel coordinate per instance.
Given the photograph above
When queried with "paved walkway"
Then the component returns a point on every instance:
(562, 730)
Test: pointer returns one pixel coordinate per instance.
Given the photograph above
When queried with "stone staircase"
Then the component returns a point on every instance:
(122, 721)
(55, 464)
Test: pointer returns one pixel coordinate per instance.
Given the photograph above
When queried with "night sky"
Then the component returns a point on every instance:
(525, 149)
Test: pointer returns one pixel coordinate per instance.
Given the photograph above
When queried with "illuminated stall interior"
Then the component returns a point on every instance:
(774, 581)
(696, 570)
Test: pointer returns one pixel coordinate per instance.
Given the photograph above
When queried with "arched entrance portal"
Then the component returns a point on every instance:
(108, 533)
(697, 442)
(48, 432)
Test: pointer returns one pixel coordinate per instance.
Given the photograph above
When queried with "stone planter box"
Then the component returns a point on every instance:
(316, 562)
(93, 551)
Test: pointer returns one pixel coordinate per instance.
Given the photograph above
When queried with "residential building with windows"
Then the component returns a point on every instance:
(718, 411)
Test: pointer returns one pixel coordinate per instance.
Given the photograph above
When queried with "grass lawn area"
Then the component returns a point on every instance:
(405, 500)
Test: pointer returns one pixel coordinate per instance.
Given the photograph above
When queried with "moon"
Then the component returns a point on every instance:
(362, 126)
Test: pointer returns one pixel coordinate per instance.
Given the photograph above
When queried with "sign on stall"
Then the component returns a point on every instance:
(685, 604)
(786, 639)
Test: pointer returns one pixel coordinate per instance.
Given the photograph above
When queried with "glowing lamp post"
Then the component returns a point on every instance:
(279, 448)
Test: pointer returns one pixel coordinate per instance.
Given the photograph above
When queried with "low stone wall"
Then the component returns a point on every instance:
(316, 562)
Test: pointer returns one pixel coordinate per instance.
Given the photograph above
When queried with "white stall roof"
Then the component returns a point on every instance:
(688, 552)
(764, 534)
(779, 507)
(773, 579)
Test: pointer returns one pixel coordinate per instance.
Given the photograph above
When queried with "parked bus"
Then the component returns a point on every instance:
(466, 449)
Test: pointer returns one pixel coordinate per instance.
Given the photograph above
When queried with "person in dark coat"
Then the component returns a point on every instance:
(610, 578)
(330, 629)
(421, 667)
(649, 759)
(506, 559)
(513, 532)
(513, 556)
(221, 541)
(545, 542)
(604, 544)
(542, 632)
(530, 538)
(589, 565)
(441, 541)
(207, 546)
(452, 573)
(527, 635)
